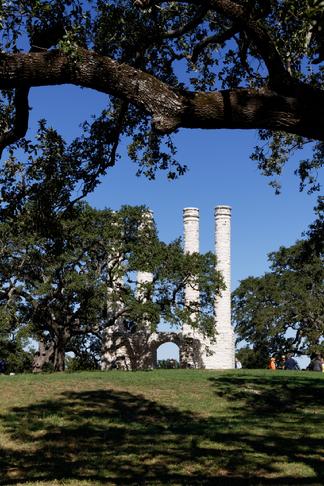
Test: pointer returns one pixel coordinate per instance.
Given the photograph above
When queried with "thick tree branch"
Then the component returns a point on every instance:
(91, 70)
(301, 113)
(20, 124)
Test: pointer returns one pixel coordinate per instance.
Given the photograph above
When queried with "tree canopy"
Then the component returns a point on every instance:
(282, 311)
(65, 285)
(166, 65)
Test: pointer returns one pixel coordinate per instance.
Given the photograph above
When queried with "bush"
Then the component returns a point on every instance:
(16, 359)
(168, 364)
(82, 362)
(251, 358)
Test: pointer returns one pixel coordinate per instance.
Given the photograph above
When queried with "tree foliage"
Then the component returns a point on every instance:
(251, 358)
(166, 65)
(65, 285)
(13, 338)
(283, 310)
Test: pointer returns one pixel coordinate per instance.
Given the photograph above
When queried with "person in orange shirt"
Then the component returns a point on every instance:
(272, 364)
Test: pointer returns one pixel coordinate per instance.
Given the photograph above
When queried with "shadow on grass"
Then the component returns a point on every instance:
(280, 418)
(113, 437)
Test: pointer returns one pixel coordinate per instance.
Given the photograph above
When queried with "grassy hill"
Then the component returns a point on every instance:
(178, 427)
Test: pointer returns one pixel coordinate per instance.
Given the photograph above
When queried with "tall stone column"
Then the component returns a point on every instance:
(190, 349)
(191, 245)
(122, 348)
(140, 341)
(114, 351)
(224, 351)
(145, 277)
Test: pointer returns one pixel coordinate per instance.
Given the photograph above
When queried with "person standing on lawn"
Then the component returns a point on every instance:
(291, 363)
(316, 363)
(2, 366)
(272, 364)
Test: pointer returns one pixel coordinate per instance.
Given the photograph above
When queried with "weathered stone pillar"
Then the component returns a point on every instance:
(191, 230)
(140, 342)
(114, 345)
(191, 245)
(224, 353)
(190, 349)
(114, 349)
(145, 277)
(124, 348)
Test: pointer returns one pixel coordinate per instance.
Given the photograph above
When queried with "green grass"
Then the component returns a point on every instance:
(178, 427)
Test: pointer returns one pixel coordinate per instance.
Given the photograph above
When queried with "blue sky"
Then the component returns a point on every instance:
(220, 172)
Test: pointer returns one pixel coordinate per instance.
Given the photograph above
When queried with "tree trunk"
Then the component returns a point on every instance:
(52, 354)
(59, 358)
(59, 354)
(44, 356)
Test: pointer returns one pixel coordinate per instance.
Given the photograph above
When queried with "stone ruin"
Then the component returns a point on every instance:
(125, 350)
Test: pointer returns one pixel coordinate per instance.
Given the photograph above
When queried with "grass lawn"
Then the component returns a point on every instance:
(178, 427)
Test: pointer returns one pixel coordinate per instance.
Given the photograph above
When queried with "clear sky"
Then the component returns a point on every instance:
(220, 172)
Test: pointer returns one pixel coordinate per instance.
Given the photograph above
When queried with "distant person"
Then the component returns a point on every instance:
(316, 363)
(281, 363)
(238, 364)
(272, 364)
(2, 366)
(291, 363)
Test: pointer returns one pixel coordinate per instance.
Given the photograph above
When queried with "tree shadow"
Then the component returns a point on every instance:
(115, 437)
(280, 417)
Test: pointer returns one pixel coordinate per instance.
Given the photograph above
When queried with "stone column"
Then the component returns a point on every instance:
(191, 245)
(140, 341)
(144, 277)
(224, 352)
(114, 350)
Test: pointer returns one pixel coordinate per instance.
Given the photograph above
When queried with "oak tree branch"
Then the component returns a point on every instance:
(301, 113)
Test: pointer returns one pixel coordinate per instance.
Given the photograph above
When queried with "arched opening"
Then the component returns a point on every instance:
(168, 356)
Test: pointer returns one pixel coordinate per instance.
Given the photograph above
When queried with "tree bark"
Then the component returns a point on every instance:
(59, 356)
(51, 354)
(62, 336)
(43, 356)
(301, 112)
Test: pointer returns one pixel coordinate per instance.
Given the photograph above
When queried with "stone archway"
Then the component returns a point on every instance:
(168, 355)
(189, 348)
(138, 351)
(160, 338)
